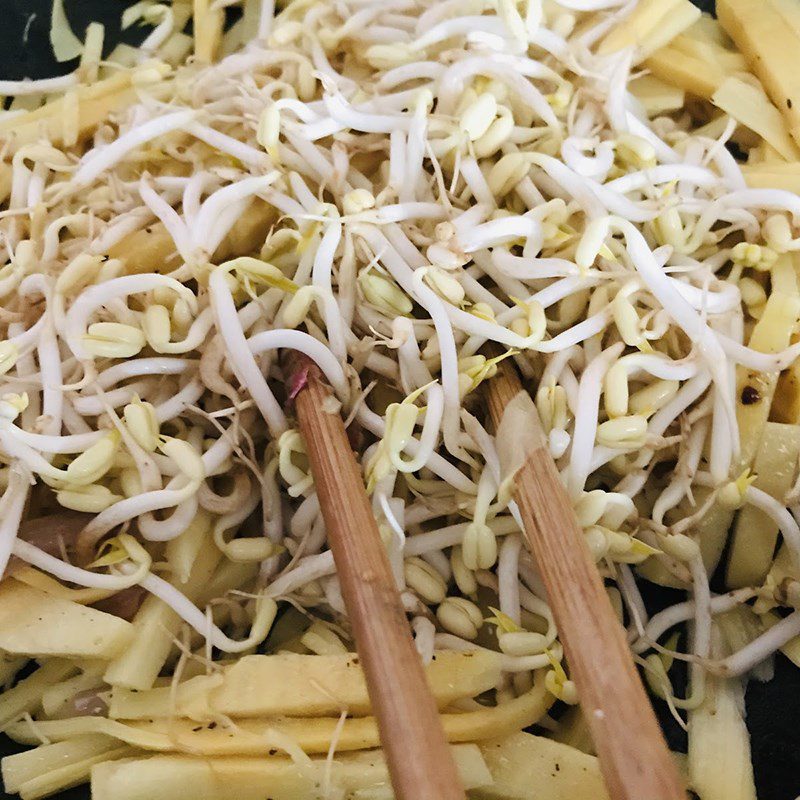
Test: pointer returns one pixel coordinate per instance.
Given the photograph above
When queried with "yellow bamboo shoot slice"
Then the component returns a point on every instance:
(300, 685)
(357, 775)
(707, 29)
(26, 696)
(95, 103)
(558, 771)
(312, 734)
(729, 61)
(773, 176)
(155, 627)
(771, 334)
(755, 534)
(749, 105)
(768, 37)
(719, 744)
(651, 25)
(687, 72)
(208, 23)
(657, 96)
(153, 250)
(35, 623)
(49, 769)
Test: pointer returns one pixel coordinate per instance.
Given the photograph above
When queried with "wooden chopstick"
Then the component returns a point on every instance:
(420, 763)
(633, 755)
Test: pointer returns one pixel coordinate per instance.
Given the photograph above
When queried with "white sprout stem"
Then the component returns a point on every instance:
(192, 615)
(684, 472)
(40, 86)
(403, 274)
(178, 403)
(227, 144)
(51, 375)
(70, 574)
(242, 359)
(508, 576)
(93, 406)
(71, 443)
(304, 343)
(132, 507)
(661, 622)
(165, 530)
(169, 218)
(350, 117)
(12, 506)
(214, 206)
(134, 368)
(760, 648)
(159, 34)
(93, 297)
(98, 161)
(587, 419)
(448, 641)
(430, 433)
(701, 630)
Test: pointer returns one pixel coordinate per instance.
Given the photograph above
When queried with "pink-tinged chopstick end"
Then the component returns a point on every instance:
(298, 382)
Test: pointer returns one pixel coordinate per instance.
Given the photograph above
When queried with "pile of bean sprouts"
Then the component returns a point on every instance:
(392, 187)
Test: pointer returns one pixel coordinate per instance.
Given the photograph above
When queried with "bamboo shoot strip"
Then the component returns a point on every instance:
(420, 763)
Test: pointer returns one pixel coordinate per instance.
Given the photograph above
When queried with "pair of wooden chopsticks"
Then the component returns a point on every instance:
(633, 755)
(634, 758)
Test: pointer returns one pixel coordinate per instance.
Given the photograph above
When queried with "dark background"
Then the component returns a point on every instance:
(773, 709)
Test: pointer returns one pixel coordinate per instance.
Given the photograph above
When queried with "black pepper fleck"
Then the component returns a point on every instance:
(750, 395)
(788, 102)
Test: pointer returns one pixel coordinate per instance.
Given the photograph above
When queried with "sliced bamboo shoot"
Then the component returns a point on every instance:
(312, 734)
(300, 685)
(52, 768)
(749, 105)
(185, 778)
(155, 626)
(37, 624)
(657, 96)
(26, 696)
(95, 103)
(719, 744)
(557, 771)
(767, 35)
(768, 175)
(754, 533)
(651, 25)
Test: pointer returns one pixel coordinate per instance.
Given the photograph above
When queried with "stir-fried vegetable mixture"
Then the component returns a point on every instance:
(407, 191)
